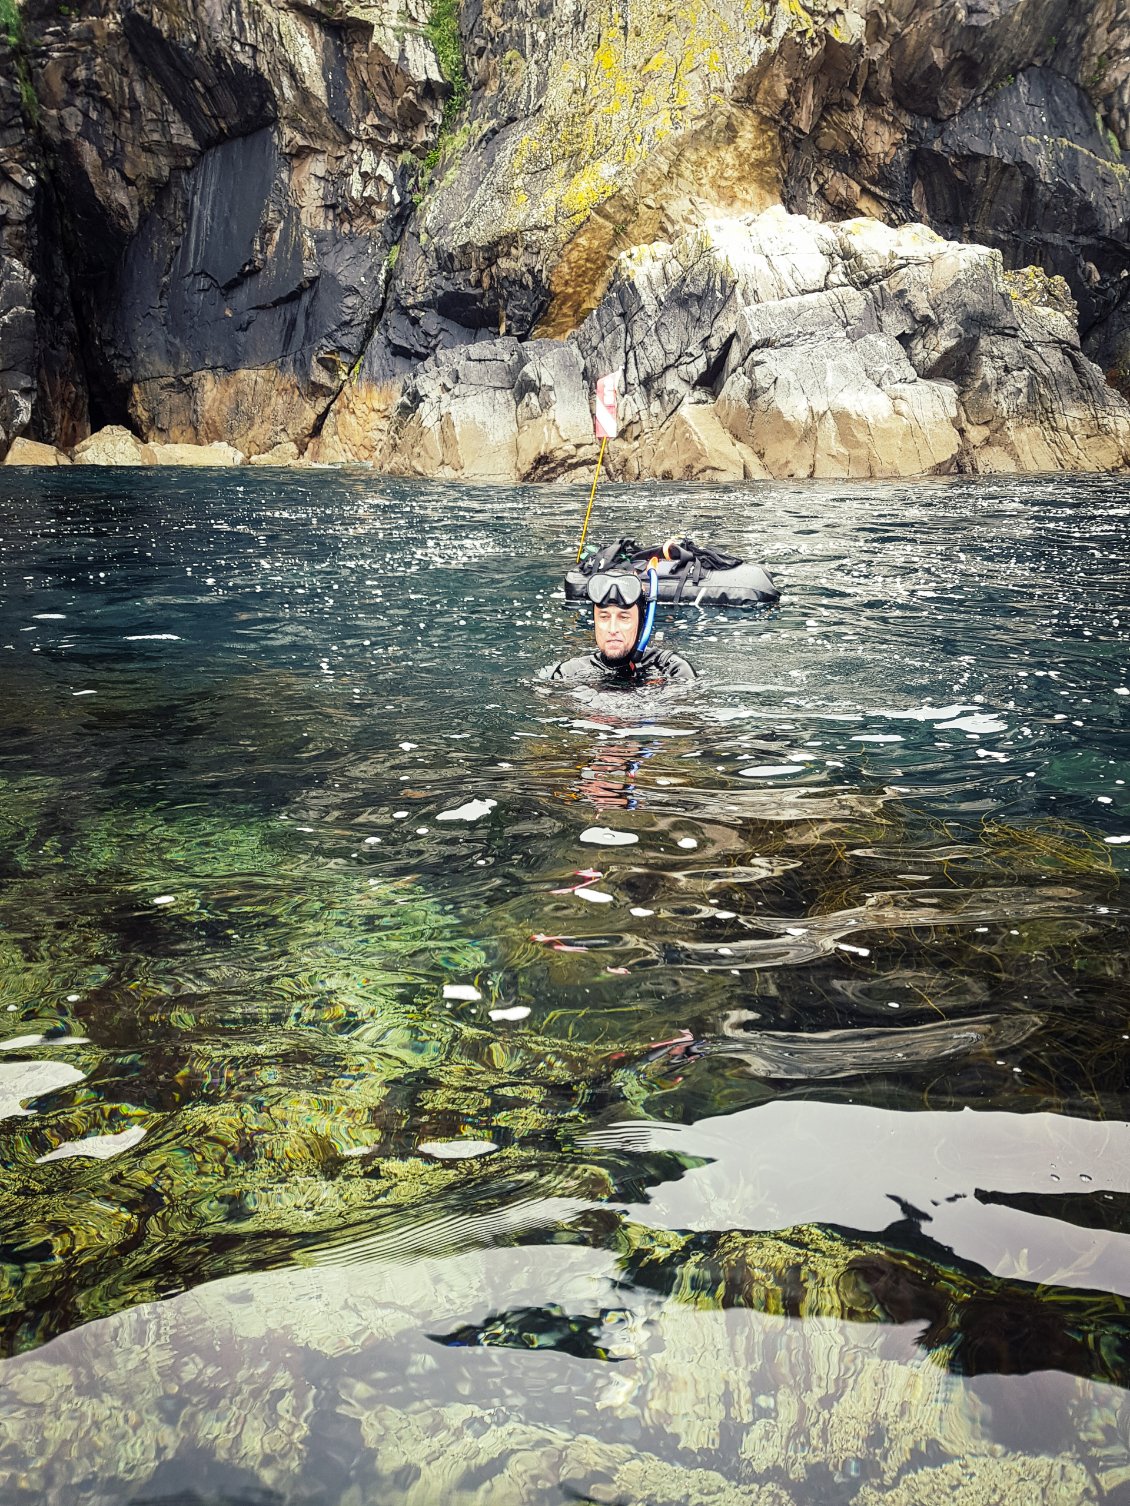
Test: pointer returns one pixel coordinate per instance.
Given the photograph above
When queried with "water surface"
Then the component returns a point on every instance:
(377, 1127)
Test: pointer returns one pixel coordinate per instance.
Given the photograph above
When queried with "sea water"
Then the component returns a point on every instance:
(423, 1084)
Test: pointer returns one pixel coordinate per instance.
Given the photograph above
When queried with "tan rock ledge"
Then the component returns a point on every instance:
(31, 452)
(216, 453)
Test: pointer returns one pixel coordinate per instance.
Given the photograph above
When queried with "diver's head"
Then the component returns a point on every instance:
(617, 598)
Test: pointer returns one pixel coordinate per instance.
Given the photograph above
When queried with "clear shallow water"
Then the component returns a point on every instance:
(781, 1153)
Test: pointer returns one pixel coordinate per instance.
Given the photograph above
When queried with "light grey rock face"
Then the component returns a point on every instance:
(775, 345)
(493, 412)
(231, 180)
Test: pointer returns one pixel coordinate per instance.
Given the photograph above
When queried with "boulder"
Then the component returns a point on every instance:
(31, 452)
(281, 454)
(216, 453)
(494, 411)
(694, 445)
(112, 445)
(853, 350)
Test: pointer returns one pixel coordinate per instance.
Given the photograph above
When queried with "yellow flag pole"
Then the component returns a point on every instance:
(592, 494)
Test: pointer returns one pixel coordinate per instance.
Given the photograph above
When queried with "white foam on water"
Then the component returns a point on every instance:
(97, 1147)
(927, 713)
(152, 638)
(472, 810)
(604, 836)
(975, 724)
(456, 1150)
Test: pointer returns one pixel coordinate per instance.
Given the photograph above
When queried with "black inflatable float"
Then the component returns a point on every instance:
(689, 574)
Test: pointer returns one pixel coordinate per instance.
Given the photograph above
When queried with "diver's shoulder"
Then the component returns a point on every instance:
(673, 665)
(579, 668)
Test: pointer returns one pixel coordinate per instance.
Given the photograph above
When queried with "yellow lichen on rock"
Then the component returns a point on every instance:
(651, 74)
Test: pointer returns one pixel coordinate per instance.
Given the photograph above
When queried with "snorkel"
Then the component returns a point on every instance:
(649, 616)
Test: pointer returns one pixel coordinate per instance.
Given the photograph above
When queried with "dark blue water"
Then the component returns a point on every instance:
(423, 1084)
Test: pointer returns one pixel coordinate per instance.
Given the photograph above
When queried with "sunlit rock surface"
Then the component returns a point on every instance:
(32, 452)
(113, 445)
(773, 345)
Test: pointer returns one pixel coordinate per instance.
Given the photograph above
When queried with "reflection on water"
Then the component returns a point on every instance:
(421, 1084)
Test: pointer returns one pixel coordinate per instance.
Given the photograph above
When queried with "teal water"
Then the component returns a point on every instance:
(376, 1129)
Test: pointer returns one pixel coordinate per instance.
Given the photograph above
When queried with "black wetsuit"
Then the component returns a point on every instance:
(652, 664)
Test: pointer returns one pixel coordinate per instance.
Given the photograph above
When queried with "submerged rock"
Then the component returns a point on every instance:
(773, 345)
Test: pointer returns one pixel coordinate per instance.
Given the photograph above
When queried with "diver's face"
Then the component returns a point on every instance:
(616, 629)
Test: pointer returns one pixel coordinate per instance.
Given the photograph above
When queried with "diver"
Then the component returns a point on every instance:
(622, 628)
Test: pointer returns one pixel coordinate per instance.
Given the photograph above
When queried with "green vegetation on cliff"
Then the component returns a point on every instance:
(11, 22)
(443, 33)
(12, 32)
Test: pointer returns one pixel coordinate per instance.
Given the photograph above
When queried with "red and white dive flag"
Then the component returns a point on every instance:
(604, 420)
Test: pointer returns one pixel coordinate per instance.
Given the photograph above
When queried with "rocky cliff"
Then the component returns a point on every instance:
(292, 227)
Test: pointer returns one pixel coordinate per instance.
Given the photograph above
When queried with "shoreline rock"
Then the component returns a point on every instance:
(750, 347)
(32, 452)
(771, 345)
